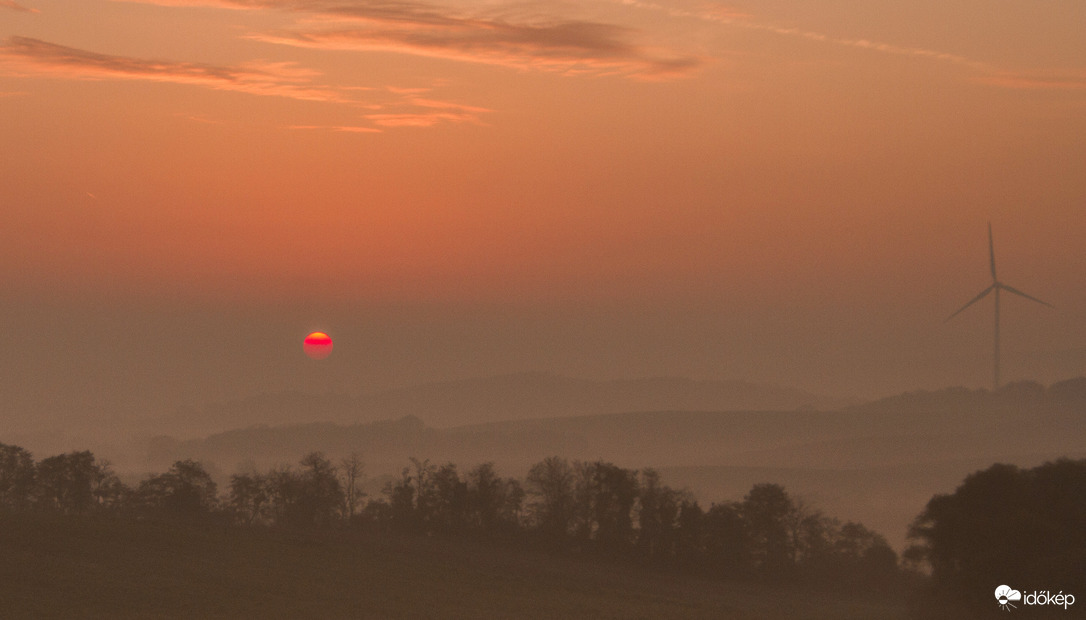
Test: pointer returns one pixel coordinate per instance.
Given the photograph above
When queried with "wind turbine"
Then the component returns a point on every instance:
(996, 287)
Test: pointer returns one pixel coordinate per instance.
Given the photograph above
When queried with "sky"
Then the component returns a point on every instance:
(784, 192)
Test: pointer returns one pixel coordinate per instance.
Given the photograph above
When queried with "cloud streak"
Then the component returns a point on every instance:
(1066, 80)
(1056, 81)
(567, 47)
(337, 128)
(15, 6)
(553, 45)
(23, 56)
(387, 107)
(743, 20)
(412, 111)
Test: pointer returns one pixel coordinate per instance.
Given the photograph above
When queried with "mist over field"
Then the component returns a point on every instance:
(877, 462)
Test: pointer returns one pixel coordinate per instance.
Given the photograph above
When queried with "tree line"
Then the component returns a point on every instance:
(592, 508)
(1003, 525)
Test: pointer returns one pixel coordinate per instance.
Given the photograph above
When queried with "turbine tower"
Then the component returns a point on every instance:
(996, 287)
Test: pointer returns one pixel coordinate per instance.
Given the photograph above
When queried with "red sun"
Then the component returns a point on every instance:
(318, 345)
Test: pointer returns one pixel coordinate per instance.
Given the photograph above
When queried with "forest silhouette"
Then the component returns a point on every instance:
(1002, 524)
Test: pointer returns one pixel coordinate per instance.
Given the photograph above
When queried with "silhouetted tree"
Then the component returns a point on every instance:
(186, 490)
(375, 516)
(605, 495)
(425, 493)
(401, 502)
(413, 497)
(813, 538)
(16, 478)
(690, 534)
(494, 503)
(864, 556)
(350, 470)
(550, 487)
(75, 483)
(250, 497)
(321, 494)
(658, 508)
(767, 511)
(310, 497)
(449, 509)
(726, 547)
(1004, 525)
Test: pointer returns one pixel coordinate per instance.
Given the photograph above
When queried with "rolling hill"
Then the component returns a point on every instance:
(877, 463)
(508, 397)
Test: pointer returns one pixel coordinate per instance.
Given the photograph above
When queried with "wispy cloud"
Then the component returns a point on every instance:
(412, 111)
(32, 57)
(388, 106)
(15, 6)
(337, 128)
(543, 44)
(423, 112)
(1050, 80)
(559, 45)
(418, 119)
(746, 21)
(986, 73)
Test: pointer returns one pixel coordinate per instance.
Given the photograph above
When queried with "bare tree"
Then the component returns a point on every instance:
(425, 490)
(550, 484)
(250, 496)
(350, 472)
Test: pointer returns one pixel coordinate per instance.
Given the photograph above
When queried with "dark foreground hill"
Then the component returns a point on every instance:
(102, 568)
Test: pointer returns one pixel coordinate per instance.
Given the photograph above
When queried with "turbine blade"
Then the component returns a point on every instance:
(991, 252)
(1020, 293)
(972, 301)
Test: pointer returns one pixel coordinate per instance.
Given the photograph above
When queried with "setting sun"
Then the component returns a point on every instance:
(318, 345)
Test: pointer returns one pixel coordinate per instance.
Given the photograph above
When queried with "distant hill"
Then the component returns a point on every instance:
(507, 397)
(878, 462)
(541, 395)
(876, 435)
(1062, 395)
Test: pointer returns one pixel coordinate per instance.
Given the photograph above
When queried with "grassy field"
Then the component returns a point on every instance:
(64, 568)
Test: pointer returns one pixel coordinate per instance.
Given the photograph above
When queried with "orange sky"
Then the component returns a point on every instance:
(790, 192)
